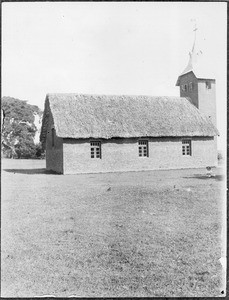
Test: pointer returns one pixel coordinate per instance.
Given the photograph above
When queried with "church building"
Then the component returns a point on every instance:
(103, 133)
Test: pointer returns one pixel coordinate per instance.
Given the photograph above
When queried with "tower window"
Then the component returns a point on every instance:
(191, 86)
(96, 149)
(208, 85)
(184, 87)
(143, 148)
(186, 147)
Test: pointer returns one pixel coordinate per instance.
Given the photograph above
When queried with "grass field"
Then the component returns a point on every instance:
(154, 233)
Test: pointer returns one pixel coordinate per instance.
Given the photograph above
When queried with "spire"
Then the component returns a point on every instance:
(192, 55)
(195, 29)
(197, 63)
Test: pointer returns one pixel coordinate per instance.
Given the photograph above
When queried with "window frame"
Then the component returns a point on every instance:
(191, 86)
(208, 85)
(186, 147)
(95, 149)
(143, 148)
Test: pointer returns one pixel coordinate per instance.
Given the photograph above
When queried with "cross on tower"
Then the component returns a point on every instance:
(195, 29)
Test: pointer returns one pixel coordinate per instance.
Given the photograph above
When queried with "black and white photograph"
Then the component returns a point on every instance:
(113, 149)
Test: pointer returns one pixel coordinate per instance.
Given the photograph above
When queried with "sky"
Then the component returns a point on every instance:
(133, 48)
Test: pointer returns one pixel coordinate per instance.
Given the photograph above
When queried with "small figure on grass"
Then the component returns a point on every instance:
(209, 172)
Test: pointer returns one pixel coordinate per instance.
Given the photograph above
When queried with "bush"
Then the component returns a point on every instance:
(40, 153)
(25, 149)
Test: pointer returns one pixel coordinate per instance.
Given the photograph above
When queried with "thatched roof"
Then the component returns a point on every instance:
(99, 116)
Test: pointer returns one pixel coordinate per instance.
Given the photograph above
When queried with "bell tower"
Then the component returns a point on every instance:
(197, 84)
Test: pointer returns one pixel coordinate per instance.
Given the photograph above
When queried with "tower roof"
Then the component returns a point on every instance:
(197, 64)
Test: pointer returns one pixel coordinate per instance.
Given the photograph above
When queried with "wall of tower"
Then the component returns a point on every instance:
(192, 93)
(207, 98)
(202, 94)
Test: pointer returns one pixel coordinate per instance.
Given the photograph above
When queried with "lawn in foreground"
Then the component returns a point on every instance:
(122, 234)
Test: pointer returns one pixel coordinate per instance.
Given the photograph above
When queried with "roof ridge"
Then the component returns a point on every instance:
(112, 95)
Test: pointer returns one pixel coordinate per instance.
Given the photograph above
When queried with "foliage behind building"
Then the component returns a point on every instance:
(19, 130)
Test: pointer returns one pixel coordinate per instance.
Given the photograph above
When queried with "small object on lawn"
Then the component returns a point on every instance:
(209, 172)
(188, 190)
(109, 189)
(174, 186)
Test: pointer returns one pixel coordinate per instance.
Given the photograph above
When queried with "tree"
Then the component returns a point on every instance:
(18, 130)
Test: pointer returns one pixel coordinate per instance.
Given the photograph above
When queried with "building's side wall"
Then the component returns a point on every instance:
(207, 99)
(193, 94)
(122, 155)
(54, 154)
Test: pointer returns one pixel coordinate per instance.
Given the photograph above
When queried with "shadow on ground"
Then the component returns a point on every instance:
(199, 176)
(31, 171)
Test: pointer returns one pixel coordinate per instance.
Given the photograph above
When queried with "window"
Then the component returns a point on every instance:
(53, 136)
(95, 149)
(143, 149)
(208, 85)
(186, 147)
(184, 87)
(191, 86)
